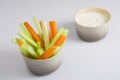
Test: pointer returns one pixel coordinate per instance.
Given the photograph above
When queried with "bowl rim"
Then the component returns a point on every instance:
(38, 60)
(92, 8)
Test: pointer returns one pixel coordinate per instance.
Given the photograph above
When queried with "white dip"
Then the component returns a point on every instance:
(91, 19)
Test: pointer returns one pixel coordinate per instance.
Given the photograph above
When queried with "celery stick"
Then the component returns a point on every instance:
(37, 26)
(14, 41)
(17, 39)
(56, 37)
(58, 50)
(65, 32)
(25, 30)
(31, 50)
(23, 40)
(27, 39)
(24, 50)
(39, 50)
(45, 34)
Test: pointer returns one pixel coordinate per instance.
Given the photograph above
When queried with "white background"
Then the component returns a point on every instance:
(81, 60)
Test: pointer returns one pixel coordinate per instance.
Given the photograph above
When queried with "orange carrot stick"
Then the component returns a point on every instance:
(33, 34)
(47, 53)
(53, 28)
(60, 40)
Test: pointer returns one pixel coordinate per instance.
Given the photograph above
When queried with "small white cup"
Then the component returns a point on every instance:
(92, 33)
(43, 67)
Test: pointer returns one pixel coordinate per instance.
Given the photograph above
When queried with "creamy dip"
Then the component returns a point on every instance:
(91, 19)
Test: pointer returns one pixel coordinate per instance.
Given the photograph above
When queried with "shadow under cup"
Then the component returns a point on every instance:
(43, 67)
(88, 33)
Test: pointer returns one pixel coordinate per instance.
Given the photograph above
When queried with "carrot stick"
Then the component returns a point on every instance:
(47, 53)
(33, 34)
(53, 28)
(60, 40)
(58, 49)
(56, 37)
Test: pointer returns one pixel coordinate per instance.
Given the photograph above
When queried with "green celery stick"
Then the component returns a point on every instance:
(56, 37)
(23, 40)
(39, 50)
(25, 30)
(24, 50)
(65, 32)
(45, 34)
(31, 50)
(37, 26)
(27, 39)
(14, 41)
(58, 50)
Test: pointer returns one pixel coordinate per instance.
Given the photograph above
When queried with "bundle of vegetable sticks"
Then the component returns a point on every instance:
(43, 43)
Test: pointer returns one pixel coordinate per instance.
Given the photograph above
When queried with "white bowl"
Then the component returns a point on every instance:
(42, 67)
(90, 33)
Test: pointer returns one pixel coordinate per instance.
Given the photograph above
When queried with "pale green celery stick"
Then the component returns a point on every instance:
(45, 34)
(39, 50)
(58, 49)
(56, 37)
(14, 40)
(23, 40)
(27, 39)
(31, 50)
(65, 32)
(24, 30)
(24, 50)
(38, 27)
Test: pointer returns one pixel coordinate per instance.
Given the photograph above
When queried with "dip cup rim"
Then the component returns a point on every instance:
(77, 13)
(39, 60)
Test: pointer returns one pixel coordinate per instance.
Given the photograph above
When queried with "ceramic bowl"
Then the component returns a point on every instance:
(43, 67)
(92, 33)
